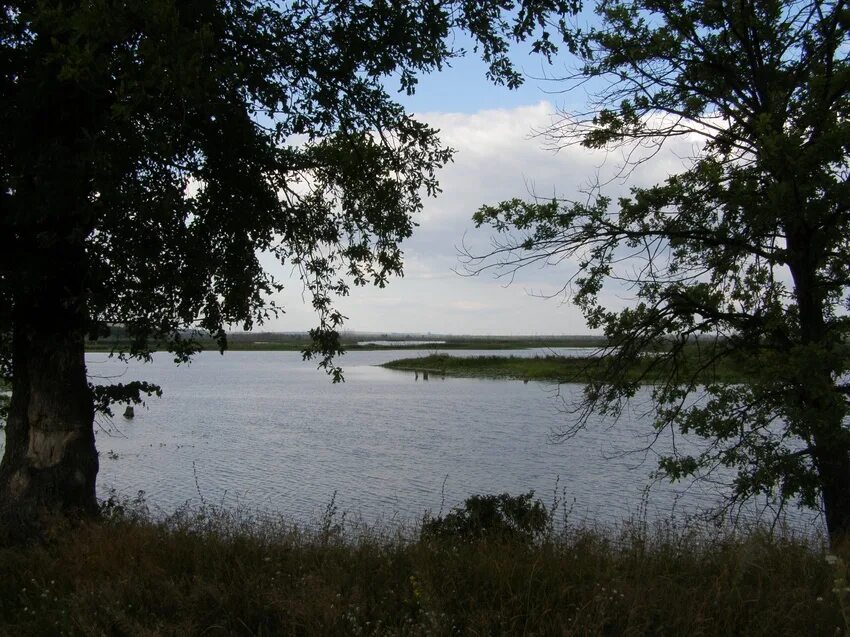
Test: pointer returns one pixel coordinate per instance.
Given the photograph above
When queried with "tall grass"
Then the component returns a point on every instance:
(209, 571)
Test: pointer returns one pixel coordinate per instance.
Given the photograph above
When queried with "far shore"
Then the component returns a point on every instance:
(273, 342)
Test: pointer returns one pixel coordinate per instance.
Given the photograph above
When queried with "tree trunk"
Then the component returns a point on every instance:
(822, 407)
(833, 467)
(50, 458)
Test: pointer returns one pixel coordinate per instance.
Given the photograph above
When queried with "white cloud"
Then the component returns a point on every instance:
(498, 158)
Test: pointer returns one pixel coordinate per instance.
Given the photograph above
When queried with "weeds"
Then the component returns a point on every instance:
(211, 571)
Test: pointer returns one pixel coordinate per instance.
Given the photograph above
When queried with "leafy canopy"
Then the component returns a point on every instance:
(742, 258)
(158, 150)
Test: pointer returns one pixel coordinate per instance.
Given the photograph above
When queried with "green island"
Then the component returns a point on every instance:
(562, 369)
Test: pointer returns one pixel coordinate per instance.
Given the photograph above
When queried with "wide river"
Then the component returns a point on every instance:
(267, 431)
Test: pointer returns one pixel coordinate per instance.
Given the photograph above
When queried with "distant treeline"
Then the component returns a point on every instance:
(118, 339)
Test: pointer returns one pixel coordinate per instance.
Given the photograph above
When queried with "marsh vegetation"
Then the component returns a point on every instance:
(212, 572)
(568, 369)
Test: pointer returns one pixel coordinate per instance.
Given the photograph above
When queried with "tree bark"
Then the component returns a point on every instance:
(833, 468)
(822, 407)
(50, 460)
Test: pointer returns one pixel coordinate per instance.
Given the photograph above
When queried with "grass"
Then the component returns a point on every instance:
(532, 368)
(212, 572)
(548, 368)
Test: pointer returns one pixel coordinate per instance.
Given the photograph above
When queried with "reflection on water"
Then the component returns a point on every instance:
(267, 430)
(400, 343)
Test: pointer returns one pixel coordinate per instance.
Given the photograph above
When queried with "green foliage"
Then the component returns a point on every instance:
(500, 518)
(743, 254)
(195, 139)
(107, 395)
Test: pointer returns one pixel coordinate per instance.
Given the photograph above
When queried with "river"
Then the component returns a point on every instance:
(266, 431)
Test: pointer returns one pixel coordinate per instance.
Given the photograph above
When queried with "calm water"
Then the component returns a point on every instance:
(266, 430)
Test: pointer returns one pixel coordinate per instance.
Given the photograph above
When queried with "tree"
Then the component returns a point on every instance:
(742, 259)
(153, 150)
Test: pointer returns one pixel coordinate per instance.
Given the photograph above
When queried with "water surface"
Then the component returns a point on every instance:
(267, 430)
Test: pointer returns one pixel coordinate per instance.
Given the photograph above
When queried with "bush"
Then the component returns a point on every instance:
(502, 517)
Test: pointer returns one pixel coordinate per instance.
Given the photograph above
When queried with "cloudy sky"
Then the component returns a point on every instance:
(498, 157)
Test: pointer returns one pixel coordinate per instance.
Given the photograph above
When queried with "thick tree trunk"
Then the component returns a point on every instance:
(833, 465)
(822, 407)
(50, 458)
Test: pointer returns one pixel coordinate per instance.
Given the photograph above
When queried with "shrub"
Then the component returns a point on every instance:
(501, 517)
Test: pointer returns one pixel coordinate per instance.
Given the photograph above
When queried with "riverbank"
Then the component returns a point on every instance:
(560, 369)
(216, 573)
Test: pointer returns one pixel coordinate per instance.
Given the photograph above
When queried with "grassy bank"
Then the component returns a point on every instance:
(551, 368)
(212, 573)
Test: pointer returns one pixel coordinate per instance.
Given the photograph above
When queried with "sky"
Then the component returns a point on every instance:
(498, 157)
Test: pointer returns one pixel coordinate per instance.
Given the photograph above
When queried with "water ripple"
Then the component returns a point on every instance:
(265, 429)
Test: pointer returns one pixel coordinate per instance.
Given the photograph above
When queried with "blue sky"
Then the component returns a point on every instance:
(464, 88)
(498, 157)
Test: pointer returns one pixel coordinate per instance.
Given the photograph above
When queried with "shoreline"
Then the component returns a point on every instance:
(299, 344)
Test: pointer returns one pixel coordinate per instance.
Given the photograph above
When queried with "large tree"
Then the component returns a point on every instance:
(742, 259)
(152, 151)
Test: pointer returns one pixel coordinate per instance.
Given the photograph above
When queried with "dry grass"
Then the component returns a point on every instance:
(211, 572)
